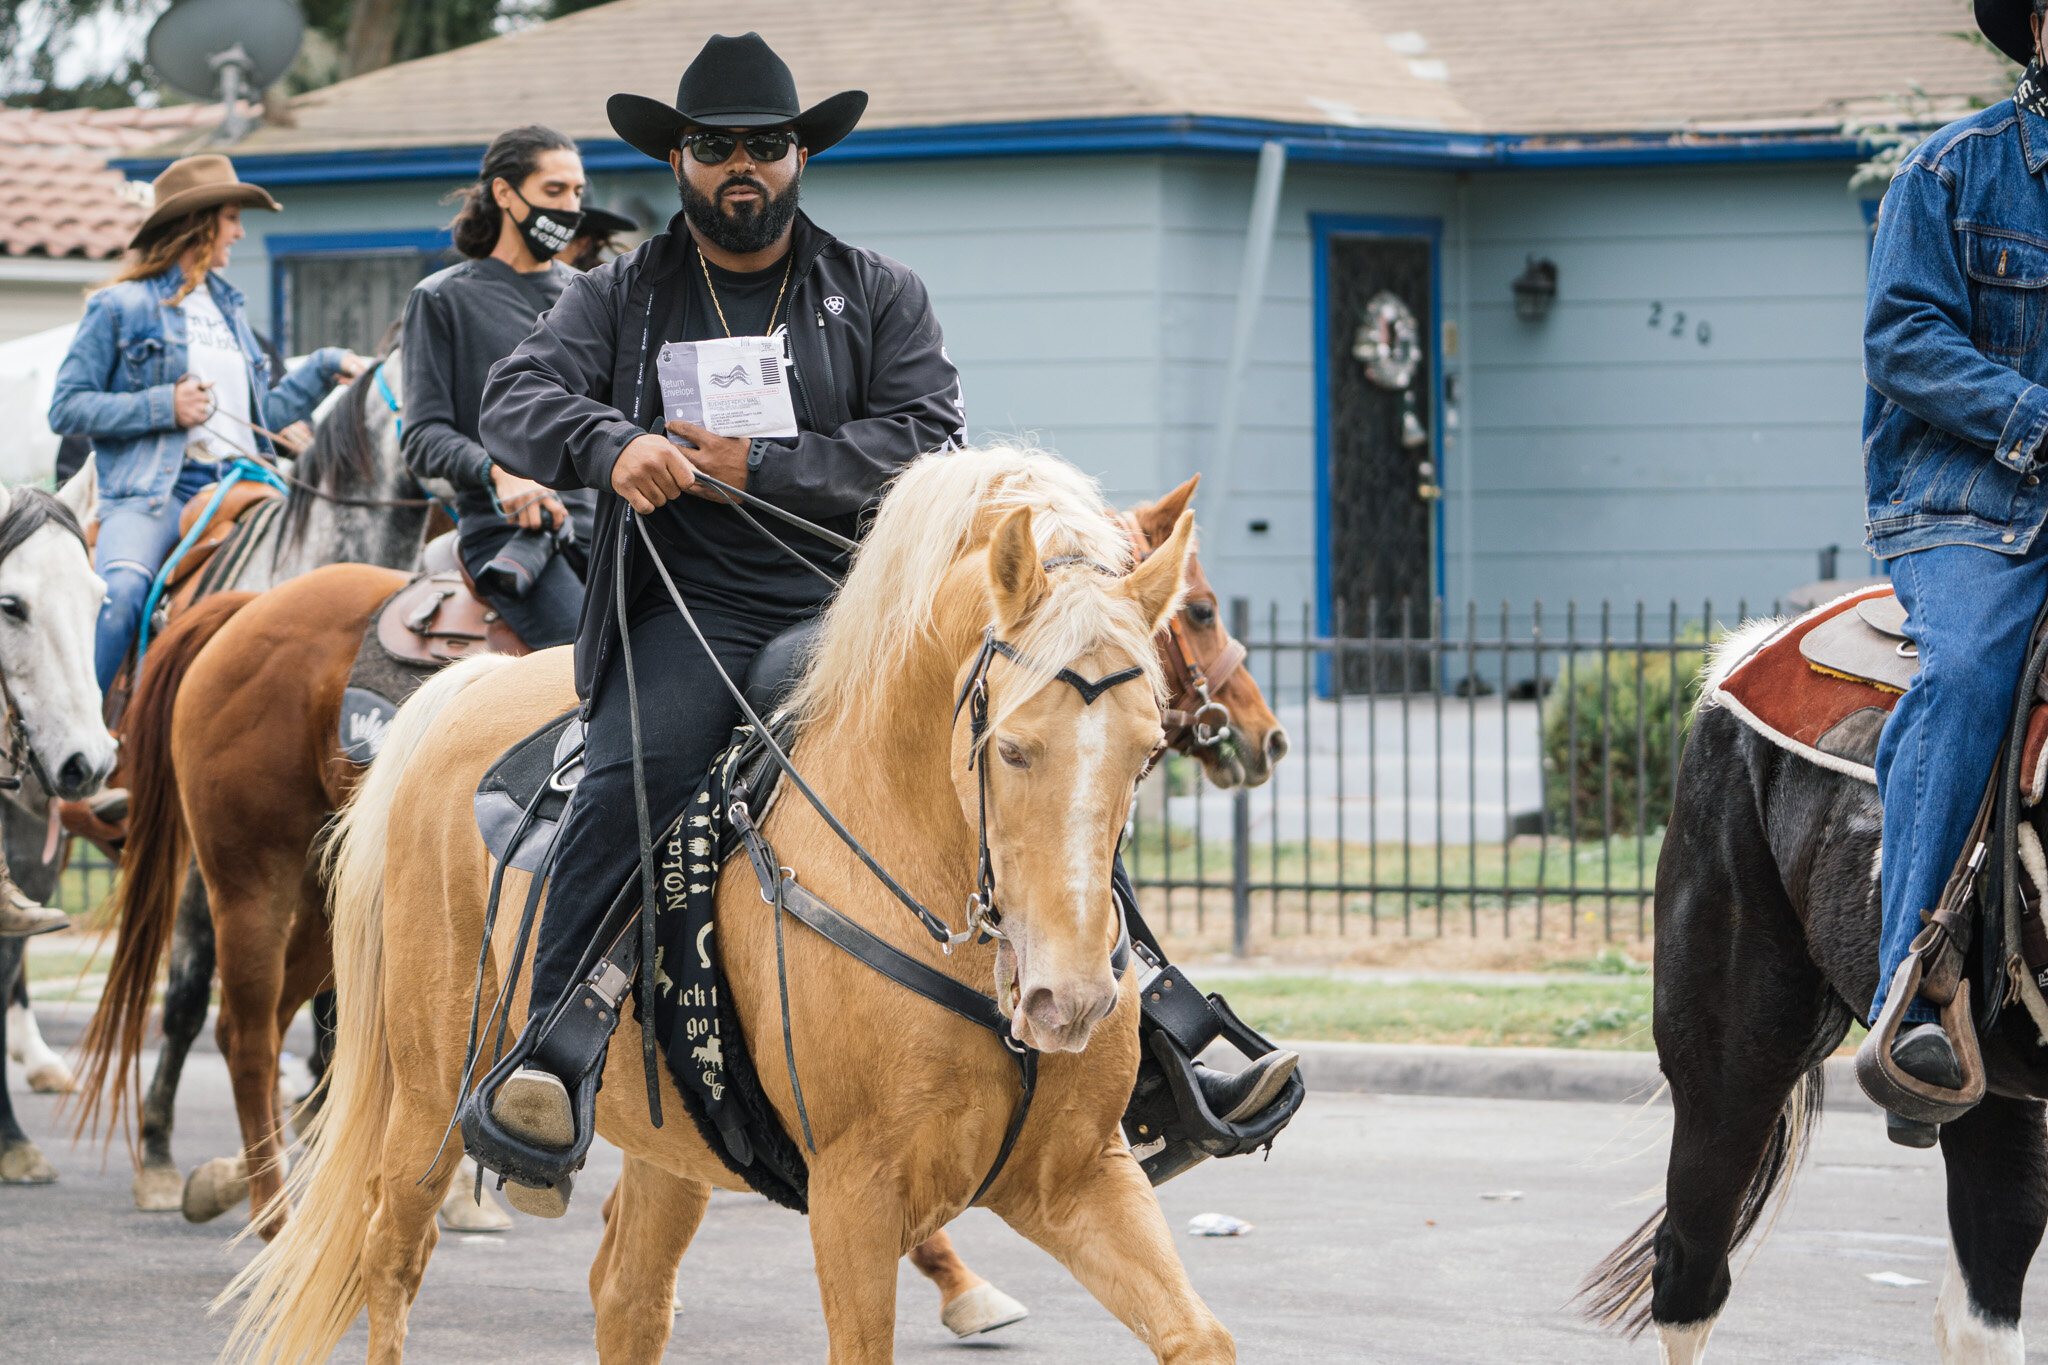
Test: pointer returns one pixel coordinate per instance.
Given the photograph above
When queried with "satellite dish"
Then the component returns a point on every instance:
(225, 50)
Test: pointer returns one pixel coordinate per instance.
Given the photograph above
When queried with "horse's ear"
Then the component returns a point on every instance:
(1155, 584)
(1158, 517)
(1014, 573)
(80, 492)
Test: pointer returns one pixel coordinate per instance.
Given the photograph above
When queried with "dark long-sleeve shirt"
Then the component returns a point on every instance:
(873, 391)
(458, 323)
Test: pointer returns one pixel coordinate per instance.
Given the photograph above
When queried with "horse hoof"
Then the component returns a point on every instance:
(53, 1078)
(983, 1308)
(214, 1188)
(23, 1164)
(159, 1189)
(460, 1213)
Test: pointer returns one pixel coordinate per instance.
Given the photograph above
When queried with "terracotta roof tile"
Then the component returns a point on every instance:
(1511, 66)
(57, 195)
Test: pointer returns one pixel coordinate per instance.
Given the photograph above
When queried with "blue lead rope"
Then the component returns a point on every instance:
(242, 467)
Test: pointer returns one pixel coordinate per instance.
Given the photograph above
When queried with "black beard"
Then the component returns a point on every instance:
(748, 228)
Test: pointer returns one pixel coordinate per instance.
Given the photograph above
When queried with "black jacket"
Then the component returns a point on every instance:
(873, 388)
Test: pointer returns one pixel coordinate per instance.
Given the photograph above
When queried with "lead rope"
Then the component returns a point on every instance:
(647, 880)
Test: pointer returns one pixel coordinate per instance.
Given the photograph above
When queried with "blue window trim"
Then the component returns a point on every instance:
(1083, 137)
(285, 247)
(1324, 229)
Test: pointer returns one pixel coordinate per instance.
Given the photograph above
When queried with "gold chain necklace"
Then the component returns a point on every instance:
(788, 261)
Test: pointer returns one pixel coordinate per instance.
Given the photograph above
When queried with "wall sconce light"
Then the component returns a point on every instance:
(1535, 289)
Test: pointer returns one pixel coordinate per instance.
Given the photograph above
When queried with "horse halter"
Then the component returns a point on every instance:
(1193, 718)
(983, 917)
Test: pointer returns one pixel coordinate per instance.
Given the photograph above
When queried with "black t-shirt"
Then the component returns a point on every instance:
(717, 559)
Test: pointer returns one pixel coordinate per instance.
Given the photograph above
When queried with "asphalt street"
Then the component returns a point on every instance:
(1386, 1228)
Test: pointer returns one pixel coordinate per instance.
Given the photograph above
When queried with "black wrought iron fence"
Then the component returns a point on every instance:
(1506, 772)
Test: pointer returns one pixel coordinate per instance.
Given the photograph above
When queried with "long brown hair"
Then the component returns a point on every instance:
(513, 155)
(167, 247)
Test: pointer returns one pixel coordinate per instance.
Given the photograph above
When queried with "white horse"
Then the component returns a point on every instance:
(56, 744)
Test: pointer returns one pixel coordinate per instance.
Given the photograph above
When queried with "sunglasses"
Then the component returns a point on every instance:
(715, 148)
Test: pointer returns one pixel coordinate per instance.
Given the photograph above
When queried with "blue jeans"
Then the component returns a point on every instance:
(132, 544)
(1969, 611)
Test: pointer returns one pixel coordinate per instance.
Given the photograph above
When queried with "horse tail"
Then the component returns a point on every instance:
(153, 862)
(305, 1289)
(1617, 1294)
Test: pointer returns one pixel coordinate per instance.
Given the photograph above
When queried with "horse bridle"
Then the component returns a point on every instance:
(1194, 719)
(983, 916)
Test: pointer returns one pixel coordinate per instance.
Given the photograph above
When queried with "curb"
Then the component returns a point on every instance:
(1512, 1073)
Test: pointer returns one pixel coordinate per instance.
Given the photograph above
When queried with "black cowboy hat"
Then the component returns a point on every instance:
(734, 83)
(2004, 22)
(605, 223)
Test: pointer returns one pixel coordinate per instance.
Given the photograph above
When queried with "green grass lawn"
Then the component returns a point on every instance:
(1590, 1014)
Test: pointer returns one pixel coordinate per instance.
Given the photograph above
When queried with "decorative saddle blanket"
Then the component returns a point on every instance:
(1823, 684)
(694, 1022)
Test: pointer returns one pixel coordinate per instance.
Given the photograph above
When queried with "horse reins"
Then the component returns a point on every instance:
(1192, 716)
(339, 499)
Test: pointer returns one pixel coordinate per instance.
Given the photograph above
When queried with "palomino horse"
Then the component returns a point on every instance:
(907, 1103)
(53, 735)
(1767, 930)
(257, 702)
(352, 499)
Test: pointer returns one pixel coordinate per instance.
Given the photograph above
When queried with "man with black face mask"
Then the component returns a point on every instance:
(578, 405)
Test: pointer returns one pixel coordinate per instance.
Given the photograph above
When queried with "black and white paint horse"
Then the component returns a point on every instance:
(49, 606)
(1767, 930)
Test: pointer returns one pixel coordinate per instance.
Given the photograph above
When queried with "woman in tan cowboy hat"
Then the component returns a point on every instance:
(167, 379)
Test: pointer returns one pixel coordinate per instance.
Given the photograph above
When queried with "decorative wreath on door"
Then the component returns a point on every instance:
(1388, 342)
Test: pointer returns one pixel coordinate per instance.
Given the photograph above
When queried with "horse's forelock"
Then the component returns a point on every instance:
(940, 507)
(29, 510)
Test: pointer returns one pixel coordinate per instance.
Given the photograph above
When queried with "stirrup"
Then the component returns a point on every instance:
(1886, 1082)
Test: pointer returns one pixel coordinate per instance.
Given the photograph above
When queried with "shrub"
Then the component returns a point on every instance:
(1576, 757)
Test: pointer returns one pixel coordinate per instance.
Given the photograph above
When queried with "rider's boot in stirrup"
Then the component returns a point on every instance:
(1236, 1096)
(1925, 1053)
(20, 915)
(533, 1117)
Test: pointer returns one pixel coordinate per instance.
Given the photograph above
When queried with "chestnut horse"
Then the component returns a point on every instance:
(257, 700)
(908, 1104)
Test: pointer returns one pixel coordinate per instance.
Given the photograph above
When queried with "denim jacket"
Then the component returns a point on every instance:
(1953, 341)
(116, 384)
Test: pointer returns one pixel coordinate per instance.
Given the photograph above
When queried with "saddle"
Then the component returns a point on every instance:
(1823, 685)
(429, 623)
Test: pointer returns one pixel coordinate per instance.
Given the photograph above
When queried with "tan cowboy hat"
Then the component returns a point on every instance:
(192, 183)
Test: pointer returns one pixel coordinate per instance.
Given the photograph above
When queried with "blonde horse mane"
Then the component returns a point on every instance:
(940, 508)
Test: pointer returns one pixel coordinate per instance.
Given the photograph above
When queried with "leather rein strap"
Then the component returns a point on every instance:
(1193, 719)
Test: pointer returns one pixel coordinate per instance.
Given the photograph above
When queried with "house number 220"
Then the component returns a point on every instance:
(1702, 331)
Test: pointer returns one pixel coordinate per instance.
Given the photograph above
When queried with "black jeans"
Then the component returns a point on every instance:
(686, 716)
(547, 615)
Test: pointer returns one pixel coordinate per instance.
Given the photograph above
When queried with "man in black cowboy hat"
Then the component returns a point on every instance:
(1954, 421)
(578, 404)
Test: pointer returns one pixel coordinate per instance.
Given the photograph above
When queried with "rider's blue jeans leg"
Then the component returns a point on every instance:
(133, 541)
(1969, 611)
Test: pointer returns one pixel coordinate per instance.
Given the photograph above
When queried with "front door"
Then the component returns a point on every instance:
(1382, 480)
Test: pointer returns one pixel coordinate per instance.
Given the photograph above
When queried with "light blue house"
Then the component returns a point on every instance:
(1155, 232)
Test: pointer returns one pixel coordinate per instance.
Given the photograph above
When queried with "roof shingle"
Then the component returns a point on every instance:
(1497, 66)
(57, 195)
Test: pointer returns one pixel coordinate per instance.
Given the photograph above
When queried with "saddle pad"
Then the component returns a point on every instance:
(1808, 688)
(244, 495)
(378, 684)
(510, 785)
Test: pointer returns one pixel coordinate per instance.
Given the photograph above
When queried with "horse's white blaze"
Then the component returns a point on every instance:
(1085, 806)
(1962, 1335)
(47, 660)
(1685, 1345)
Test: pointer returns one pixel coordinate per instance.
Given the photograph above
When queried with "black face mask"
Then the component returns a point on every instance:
(744, 231)
(546, 231)
(2032, 91)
